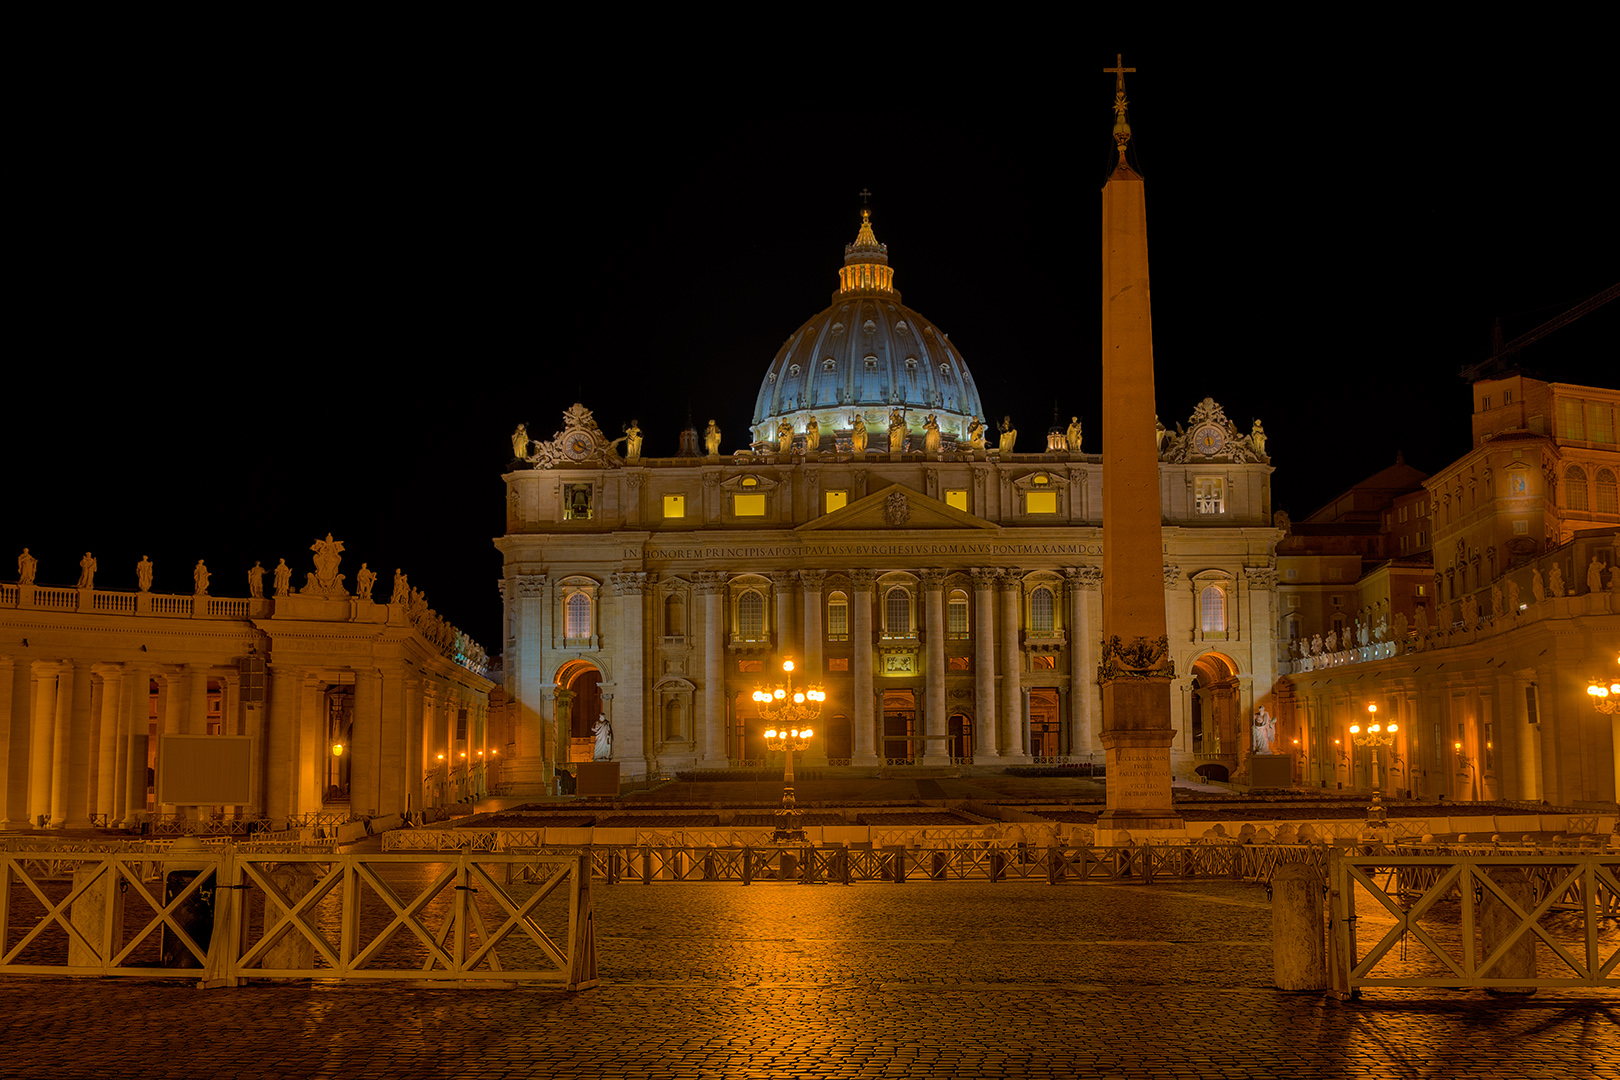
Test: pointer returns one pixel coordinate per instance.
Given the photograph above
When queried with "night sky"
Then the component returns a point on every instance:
(249, 316)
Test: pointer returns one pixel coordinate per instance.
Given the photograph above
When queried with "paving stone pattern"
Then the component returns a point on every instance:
(949, 979)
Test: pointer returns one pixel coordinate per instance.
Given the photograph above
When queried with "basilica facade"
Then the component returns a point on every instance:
(941, 584)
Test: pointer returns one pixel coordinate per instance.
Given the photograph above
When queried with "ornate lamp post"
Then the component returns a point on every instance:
(1606, 698)
(1374, 738)
(786, 709)
(1466, 769)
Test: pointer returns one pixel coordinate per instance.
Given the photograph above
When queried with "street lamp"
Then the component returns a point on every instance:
(1465, 769)
(789, 713)
(1374, 738)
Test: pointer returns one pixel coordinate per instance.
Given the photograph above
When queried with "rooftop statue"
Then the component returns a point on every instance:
(784, 437)
(143, 574)
(711, 439)
(976, 434)
(26, 565)
(199, 578)
(364, 581)
(632, 441)
(256, 581)
(897, 430)
(87, 571)
(1257, 439)
(520, 443)
(283, 578)
(812, 435)
(1072, 436)
(1009, 435)
(402, 589)
(931, 437)
(857, 438)
(326, 581)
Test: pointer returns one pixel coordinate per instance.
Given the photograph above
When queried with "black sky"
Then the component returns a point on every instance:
(250, 313)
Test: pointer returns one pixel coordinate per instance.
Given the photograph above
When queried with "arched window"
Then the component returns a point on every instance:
(956, 614)
(1212, 610)
(577, 617)
(1575, 488)
(751, 616)
(837, 615)
(1608, 493)
(897, 612)
(1040, 611)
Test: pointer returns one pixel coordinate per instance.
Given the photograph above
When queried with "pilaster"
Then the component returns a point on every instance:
(864, 725)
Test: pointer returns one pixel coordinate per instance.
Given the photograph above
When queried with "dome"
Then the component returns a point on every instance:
(869, 354)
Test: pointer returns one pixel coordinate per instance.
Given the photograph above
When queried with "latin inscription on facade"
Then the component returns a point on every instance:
(835, 551)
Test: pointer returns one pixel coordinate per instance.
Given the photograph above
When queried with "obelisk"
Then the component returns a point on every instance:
(1136, 670)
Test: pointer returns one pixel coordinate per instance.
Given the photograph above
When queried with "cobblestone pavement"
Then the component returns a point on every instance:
(953, 979)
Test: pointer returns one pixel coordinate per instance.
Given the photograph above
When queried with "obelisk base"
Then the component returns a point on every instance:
(1137, 738)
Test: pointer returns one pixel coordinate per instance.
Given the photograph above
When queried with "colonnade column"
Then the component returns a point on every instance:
(391, 778)
(1011, 662)
(44, 679)
(14, 725)
(412, 767)
(133, 730)
(711, 585)
(107, 741)
(865, 731)
(986, 747)
(280, 770)
(175, 701)
(936, 747)
(70, 782)
(365, 788)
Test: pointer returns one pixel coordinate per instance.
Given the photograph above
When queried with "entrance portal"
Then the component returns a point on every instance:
(579, 704)
(899, 726)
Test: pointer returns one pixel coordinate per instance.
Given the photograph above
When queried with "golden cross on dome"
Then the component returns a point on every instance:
(865, 194)
(1118, 71)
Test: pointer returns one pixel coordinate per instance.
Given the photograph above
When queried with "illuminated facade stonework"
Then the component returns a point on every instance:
(943, 587)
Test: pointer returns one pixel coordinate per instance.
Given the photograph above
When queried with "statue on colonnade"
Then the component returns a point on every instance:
(26, 566)
(283, 578)
(364, 581)
(143, 574)
(256, 580)
(199, 577)
(87, 571)
(711, 439)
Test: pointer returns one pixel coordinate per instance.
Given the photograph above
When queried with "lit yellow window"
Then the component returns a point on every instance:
(748, 505)
(674, 506)
(957, 497)
(1041, 502)
(836, 500)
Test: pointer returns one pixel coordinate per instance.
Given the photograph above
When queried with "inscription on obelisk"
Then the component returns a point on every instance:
(1136, 670)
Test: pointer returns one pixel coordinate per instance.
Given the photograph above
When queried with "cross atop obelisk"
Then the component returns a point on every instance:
(1122, 126)
(1136, 668)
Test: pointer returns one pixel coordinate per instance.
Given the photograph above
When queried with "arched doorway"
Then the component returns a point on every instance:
(899, 725)
(961, 733)
(1043, 722)
(579, 703)
(1213, 729)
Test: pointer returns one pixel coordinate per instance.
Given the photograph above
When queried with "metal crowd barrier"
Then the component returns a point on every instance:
(225, 915)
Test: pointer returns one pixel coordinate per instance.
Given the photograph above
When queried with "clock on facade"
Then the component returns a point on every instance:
(1208, 440)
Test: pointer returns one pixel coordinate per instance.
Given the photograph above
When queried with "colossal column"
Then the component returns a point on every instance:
(14, 729)
(1013, 739)
(865, 731)
(814, 669)
(1136, 670)
(630, 742)
(280, 769)
(365, 767)
(535, 753)
(1083, 583)
(936, 746)
(43, 739)
(133, 732)
(985, 746)
(711, 585)
(782, 584)
(113, 690)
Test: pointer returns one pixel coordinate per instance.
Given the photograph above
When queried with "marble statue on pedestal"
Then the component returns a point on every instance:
(1072, 436)
(1594, 574)
(603, 731)
(87, 571)
(1513, 596)
(1257, 439)
(256, 581)
(402, 589)
(1421, 619)
(364, 581)
(897, 431)
(632, 441)
(326, 581)
(1496, 600)
(26, 566)
(931, 436)
(143, 574)
(784, 438)
(1265, 732)
(1537, 589)
(812, 435)
(1400, 629)
(1555, 581)
(976, 434)
(283, 578)
(520, 443)
(199, 578)
(857, 438)
(711, 439)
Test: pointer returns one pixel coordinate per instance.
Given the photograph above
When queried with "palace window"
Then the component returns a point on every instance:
(1040, 499)
(1608, 493)
(1211, 495)
(897, 613)
(834, 500)
(674, 506)
(957, 497)
(837, 615)
(1040, 611)
(956, 614)
(1575, 488)
(1212, 610)
(751, 616)
(747, 503)
(577, 617)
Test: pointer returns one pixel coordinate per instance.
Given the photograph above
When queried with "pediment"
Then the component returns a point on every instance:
(896, 507)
